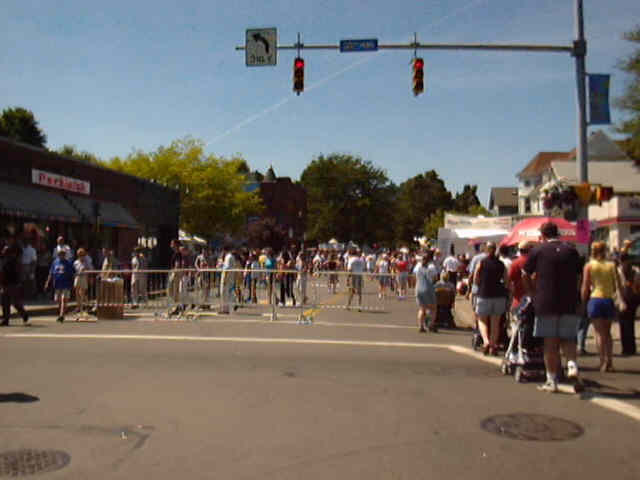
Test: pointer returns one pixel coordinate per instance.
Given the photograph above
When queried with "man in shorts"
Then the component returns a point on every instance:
(551, 273)
(61, 274)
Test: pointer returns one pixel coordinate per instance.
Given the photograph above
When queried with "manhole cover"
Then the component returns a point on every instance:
(526, 426)
(28, 462)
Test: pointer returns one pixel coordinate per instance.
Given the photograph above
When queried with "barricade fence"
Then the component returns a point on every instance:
(190, 292)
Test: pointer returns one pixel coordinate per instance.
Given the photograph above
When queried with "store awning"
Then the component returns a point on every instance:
(111, 214)
(33, 202)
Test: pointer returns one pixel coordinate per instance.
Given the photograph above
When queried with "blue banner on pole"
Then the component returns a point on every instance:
(599, 99)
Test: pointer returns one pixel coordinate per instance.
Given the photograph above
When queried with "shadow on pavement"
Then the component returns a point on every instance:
(17, 398)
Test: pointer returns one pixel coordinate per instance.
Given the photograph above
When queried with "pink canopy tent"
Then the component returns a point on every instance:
(529, 229)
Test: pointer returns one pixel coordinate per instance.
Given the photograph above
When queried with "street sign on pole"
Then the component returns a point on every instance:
(364, 45)
(261, 47)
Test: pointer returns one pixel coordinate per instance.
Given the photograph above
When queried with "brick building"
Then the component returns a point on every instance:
(44, 195)
(285, 201)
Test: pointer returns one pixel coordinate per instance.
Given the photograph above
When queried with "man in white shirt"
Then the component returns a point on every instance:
(451, 265)
(68, 253)
(28, 260)
(227, 284)
(356, 267)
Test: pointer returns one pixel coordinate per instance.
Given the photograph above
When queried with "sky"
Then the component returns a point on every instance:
(113, 77)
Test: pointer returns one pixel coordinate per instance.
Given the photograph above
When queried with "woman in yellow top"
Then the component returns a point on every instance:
(600, 283)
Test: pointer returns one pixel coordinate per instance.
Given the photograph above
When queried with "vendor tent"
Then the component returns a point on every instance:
(463, 239)
(529, 229)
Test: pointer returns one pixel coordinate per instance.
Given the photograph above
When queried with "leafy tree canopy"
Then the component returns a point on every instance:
(213, 198)
(348, 198)
(20, 125)
(419, 198)
(629, 102)
(72, 152)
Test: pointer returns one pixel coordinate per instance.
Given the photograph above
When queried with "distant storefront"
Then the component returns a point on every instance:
(44, 195)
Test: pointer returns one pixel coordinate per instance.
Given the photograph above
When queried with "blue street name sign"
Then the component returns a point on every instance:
(366, 45)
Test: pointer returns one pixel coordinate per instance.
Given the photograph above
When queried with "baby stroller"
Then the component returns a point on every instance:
(445, 300)
(524, 357)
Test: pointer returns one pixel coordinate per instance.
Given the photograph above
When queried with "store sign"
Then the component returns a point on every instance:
(53, 180)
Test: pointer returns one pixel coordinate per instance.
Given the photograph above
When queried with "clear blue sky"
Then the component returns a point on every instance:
(109, 77)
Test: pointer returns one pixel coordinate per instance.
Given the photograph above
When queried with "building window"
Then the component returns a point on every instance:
(527, 205)
(527, 183)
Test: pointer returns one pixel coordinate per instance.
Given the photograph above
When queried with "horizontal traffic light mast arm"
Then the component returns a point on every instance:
(440, 46)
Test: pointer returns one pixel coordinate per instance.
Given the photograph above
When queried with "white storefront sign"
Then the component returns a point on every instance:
(53, 180)
(452, 221)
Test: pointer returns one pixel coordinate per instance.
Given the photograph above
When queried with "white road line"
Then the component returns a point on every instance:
(614, 405)
(304, 341)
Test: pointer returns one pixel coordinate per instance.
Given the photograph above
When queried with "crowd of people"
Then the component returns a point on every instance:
(568, 293)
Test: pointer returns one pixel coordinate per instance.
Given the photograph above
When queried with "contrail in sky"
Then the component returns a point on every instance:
(252, 118)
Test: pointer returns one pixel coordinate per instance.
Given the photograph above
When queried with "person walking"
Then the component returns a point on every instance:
(356, 267)
(227, 283)
(138, 277)
(60, 245)
(492, 279)
(81, 280)
(630, 289)
(551, 274)
(175, 276)
(425, 296)
(599, 288)
(451, 265)
(61, 277)
(10, 284)
(29, 260)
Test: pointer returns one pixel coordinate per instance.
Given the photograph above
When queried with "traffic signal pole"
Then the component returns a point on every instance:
(437, 46)
(578, 50)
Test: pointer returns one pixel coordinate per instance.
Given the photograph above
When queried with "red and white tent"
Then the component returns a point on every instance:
(529, 229)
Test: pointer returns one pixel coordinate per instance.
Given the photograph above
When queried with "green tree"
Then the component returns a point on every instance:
(213, 198)
(418, 198)
(348, 198)
(433, 223)
(71, 151)
(630, 100)
(466, 199)
(20, 125)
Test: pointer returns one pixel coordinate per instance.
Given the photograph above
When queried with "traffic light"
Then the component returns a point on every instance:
(418, 76)
(298, 75)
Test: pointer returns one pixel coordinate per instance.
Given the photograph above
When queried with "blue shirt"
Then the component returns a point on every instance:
(62, 274)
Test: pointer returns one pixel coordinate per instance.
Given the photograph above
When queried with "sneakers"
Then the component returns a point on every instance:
(549, 386)
(60, 319)
(572, 370)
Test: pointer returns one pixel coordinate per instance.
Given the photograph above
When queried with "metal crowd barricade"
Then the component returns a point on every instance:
(191, 294)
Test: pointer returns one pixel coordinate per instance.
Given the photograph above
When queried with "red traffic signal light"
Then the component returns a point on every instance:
(298, 75)
(418, 76)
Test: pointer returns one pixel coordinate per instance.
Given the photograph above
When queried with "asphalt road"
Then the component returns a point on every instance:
(355, 395)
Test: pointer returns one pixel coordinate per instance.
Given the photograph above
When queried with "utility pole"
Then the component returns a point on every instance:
(580, 52)
(582, 155)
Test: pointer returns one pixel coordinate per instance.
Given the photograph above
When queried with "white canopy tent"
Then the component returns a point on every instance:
(463, 239)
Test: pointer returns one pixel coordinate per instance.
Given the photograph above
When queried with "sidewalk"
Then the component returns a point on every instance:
(622, 385)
